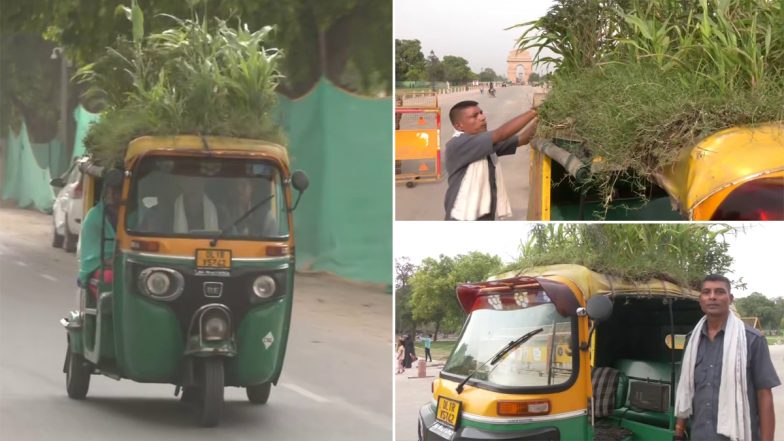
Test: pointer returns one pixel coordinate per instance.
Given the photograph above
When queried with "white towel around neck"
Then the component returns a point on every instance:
(181, 221)
(734, 419)
(475, 196)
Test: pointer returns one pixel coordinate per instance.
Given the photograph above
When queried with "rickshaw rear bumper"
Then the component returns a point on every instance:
(431, 430)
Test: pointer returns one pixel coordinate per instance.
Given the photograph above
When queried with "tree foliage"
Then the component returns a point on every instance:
(488, 75)
(354, 37)
(404, 319)
(433, 286)
(456, 69)
(769, 311)
(434, 68)
(681, 253)
(410, 63)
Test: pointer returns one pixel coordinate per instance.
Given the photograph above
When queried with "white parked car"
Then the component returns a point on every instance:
(67, 208)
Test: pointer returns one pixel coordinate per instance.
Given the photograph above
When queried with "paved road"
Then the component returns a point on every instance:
(335, 383)
(412, 392)
(426, 200)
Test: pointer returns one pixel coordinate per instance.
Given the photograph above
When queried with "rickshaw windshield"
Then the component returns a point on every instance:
(175, 196)
(544, 360)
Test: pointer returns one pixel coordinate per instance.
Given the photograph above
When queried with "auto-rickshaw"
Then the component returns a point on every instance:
(563, 353)
(735, 174)
(198, 301)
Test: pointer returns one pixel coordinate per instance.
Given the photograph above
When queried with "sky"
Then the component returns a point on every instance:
(756, 248)
(469, 29)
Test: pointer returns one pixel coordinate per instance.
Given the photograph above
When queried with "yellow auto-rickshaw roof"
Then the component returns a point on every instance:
(724, 159)
(591, 283)
(192, 142)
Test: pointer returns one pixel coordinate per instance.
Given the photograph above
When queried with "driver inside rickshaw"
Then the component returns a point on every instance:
(193, 209)
(92, 235)
(240, 218)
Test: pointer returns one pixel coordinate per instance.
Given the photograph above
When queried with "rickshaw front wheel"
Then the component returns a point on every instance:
(211, 382)
(77, 375)
(259, 393)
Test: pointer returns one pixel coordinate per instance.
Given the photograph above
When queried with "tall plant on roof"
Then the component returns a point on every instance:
(200, 77)
(656, 76)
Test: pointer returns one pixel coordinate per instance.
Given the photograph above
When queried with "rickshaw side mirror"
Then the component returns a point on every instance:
(599, 308)
(299, 180)
(113, 178)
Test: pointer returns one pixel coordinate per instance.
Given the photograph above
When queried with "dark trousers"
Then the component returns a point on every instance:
(428, 357)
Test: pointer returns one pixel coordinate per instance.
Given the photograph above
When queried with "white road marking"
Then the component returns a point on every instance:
(304, 392)
(20, 263)
(48, 277)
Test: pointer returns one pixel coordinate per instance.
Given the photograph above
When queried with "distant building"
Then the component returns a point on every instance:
(519, 66)
(754, 322)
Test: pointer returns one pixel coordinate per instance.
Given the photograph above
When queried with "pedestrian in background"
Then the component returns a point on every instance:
(427, 342)
(401, 355)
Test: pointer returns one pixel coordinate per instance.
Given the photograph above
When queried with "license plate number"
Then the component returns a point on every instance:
(448, 411)
(213, 259)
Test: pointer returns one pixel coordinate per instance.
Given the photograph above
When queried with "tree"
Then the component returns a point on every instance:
(488, 75)
(434, 69)
(348, 41)
(456, 69)
(433, 286)
(404, 318)
(410, 63)
(757, 305)
(534, 78)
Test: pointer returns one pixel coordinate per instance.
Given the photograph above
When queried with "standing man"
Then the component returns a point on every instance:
(427, 341)
(727, 374)
(475, 185)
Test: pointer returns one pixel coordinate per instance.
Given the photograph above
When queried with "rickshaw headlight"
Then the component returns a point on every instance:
(264, 287)
(215, 328)
(158, 283)
(161, 283)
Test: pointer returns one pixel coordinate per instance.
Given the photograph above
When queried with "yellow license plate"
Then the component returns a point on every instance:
(448, 411)
(213, 259)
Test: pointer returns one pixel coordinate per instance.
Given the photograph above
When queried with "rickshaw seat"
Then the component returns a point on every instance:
(651, 372)
(608, 385)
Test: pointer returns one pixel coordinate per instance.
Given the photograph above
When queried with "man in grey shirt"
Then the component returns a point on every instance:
(715, 299)
(476, 143)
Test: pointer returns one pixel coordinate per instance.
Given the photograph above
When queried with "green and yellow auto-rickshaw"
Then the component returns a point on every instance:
(735, 174)
(200, 301)
(563, 353)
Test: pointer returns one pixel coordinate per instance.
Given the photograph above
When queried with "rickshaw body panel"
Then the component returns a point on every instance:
(702, 176)
(255, 363)
(150, 338)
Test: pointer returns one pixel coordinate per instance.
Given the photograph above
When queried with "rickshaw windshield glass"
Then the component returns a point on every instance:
(174, 196)
(543, 360)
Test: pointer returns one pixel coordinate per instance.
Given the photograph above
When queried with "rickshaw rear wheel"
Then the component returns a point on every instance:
(410, 184)
(211, 383)
(259, 393)
(69, 240)
(77, 375)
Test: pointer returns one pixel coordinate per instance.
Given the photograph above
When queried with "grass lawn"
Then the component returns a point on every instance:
(440, 350)
(775, 339)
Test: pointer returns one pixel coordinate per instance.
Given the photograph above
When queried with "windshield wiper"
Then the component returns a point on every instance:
(240, 219)
(499, 355)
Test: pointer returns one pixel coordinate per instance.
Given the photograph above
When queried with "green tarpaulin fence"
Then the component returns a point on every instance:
(343, 142)
(28, 170)
(83, 120)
